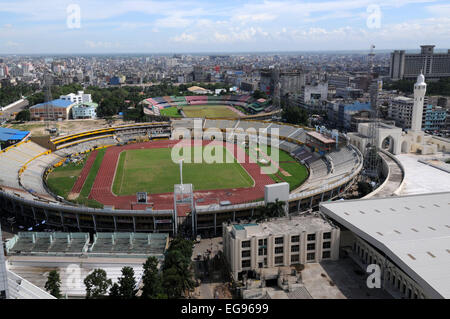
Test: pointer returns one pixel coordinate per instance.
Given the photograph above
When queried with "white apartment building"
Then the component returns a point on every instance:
(85, 111)
(80, 97)
(279, 242)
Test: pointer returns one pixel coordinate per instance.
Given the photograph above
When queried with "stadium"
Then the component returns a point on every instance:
(226, 106)
(122, 179)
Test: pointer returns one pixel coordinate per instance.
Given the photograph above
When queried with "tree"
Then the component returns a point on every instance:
(53, 284)
(127, 284)
(97, 284)
(23, 115)
(177, 275)
(173, 283)
(114, 291)
(151, 279)
(272, 210)
(295, 115)
(259, 95)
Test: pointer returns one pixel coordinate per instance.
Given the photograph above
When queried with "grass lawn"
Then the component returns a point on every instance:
(210, 111)
(170, 111)
(299, 173)
(63, 178)
(153, 171)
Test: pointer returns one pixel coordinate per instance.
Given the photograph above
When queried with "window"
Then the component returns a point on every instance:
(311, 237)
(278, 260)
(295, 239)
(295, 258)
(245, 253)
(279, 240)
(310, 256)
(245, 263)
(311, 246)
(262, 242)
(246, 244)
(326, 245)
(326, 254)
(295, 248)
(262, 251)
(278, 250)
(326, 235)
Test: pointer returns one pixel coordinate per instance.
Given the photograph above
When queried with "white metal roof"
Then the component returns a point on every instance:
(413, 231)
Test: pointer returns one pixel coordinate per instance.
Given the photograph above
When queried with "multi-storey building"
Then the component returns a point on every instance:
(80, 97)
(85, 111)
(400, 110)
(409, 65)
(280, 242)
(435, 118)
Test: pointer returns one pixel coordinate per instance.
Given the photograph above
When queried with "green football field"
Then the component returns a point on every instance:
(153, 171)
(209, 111)
(291, 171)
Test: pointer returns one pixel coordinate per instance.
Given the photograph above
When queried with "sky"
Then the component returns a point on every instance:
(191, 26)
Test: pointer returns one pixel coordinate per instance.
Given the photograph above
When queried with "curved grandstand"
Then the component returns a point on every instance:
(25, 166)
(225, 106)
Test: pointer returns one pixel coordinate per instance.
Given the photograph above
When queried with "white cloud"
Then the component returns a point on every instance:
(184, 37)
(101, 44)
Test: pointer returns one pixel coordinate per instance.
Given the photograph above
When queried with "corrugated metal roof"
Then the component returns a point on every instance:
(407, 229)
(8, 134)
(55, 103)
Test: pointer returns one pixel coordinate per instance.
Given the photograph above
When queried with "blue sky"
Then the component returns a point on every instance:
(152, 26)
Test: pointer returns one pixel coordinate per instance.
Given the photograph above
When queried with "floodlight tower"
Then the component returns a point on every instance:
(50, 113)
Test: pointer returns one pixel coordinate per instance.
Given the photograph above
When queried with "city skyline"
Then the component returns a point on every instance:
(197, 26)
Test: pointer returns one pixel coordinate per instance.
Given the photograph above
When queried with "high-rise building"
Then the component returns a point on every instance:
(410, 65)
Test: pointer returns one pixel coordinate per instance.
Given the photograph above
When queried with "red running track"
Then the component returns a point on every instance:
(102, 188)
(84, 173)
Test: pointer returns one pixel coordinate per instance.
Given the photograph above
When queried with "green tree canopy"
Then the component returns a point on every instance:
(127, 284)
(97, 284)
(295, 115)
(53, 284)
(151, 279)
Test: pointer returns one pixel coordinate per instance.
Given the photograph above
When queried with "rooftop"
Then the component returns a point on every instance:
(281, 226)
(413, 231)
(8, 134)
(55, 103)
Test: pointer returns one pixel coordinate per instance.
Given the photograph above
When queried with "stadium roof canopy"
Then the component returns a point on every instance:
(413, 231)
(8, 134)
(55, 103)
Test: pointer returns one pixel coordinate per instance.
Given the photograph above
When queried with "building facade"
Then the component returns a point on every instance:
(280, 242)
(53, 110)
(85, 111)
(80, 97)
(410, 65)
